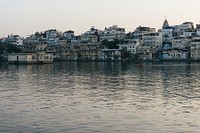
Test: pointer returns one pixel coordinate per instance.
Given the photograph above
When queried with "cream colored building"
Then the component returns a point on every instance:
(30, 58)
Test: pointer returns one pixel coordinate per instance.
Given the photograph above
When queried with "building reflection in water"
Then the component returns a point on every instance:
(105, 93)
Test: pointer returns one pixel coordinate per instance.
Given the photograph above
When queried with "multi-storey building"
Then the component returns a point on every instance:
(91, 36)
(146, 52)
(14, 39)
(68, 35)
(167, 34)
(89, 51)
(110, 55)
(153, 40)
(112, 32)
(140, 31)
(198, 29)
(129, 46)
(53, 37)
(180, 43)
(174, 54)
(195, 49)
(182, 28)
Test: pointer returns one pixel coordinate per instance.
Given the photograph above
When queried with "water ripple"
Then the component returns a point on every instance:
(100, 97)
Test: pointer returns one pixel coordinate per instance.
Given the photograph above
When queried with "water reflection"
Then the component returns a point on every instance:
(100, 97)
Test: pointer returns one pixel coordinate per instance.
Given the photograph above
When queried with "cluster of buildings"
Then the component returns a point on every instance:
(177, 42)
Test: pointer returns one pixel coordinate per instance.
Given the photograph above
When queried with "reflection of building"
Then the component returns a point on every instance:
(29, 58)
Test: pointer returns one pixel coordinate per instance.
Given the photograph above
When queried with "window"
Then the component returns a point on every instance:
(33, 57)
(46, 57)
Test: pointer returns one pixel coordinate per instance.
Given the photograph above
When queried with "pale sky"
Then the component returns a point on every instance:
(25, 17)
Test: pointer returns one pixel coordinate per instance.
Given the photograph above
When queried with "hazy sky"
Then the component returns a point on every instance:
(25, 17)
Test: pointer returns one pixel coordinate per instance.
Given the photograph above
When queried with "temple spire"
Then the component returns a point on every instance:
(165, 24)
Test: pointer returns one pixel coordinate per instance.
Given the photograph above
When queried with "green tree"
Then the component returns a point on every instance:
(125, 54)
(110, 44)
(11, 48)
(1, 49)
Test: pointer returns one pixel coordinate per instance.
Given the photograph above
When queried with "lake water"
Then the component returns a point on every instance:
(100, 97)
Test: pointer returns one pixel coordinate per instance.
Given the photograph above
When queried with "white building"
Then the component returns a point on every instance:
(130, 46)
(41, 47)
(112, 32)
(195, 48)
(90, 36)
(180, 43)
(153, 40)
(186, 25)
(18, 42)
(198, 32)
(198, 29)
(69, 35)
(167, 34)
(85, 38)
(53, 37)
(14, 39)
(174, 54)
(140, 31)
